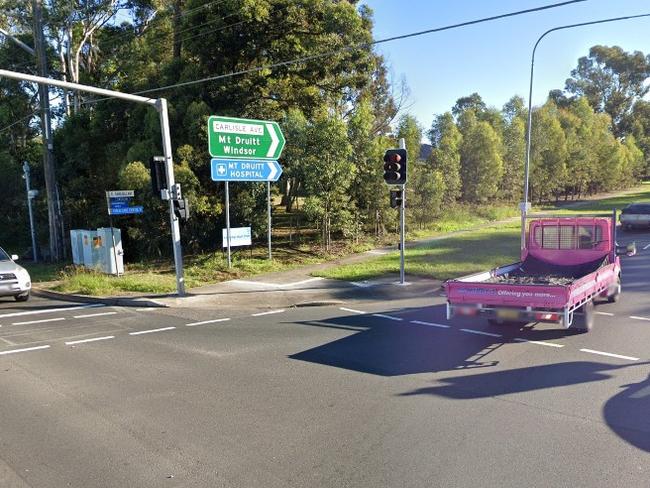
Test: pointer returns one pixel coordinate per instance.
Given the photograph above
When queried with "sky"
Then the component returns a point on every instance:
(493, 58)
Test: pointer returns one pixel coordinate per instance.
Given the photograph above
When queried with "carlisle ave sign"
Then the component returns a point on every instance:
(231, 138)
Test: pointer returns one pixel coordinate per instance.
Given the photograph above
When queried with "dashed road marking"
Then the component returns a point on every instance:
(94, 339)
(147, 309)
(51, 310)
(480, 332)
(58, 319)
(87, 316)
(540, 343)
(270, 312)
(149, 331)
(609, 354)
(389, 317)
(352, 310)
(430, 324)
(207, 322)
(646, 247)
(26, 349)
(639, 318)
(605, 313)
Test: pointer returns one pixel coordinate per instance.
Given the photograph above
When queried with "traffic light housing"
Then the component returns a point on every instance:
(158, 175)
(395, 166)
(395, 198)
(182, 209)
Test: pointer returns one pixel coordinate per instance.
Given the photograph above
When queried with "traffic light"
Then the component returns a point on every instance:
(395, 198)
(395, 166)
(158, 175)
(182, 209)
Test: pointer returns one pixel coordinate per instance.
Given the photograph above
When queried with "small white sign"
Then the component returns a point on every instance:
(120, 193)
(239, 236)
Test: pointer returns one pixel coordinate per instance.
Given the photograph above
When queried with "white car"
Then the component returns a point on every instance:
(636, 215)
(14, 280)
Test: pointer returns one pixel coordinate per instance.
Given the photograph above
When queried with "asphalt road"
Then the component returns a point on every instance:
(366, 394)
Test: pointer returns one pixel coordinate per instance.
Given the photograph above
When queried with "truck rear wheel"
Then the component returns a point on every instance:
(583, 318)
(616, 292)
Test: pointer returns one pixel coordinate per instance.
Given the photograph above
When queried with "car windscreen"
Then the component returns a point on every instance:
(3, 255)
(638, 208)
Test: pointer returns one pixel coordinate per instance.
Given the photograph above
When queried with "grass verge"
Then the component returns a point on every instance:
(472, 251)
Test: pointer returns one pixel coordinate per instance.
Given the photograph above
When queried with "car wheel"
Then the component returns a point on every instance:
(22, 298)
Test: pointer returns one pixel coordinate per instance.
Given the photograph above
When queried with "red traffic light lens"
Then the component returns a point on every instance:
(392, 158)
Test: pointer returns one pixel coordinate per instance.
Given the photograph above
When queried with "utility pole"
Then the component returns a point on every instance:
(53, 203)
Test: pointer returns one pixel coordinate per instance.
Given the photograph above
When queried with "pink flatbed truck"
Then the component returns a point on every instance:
(566, 264)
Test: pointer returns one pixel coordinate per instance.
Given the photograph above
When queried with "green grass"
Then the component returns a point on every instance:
(472, 251)
(441, 259)
(159, 277)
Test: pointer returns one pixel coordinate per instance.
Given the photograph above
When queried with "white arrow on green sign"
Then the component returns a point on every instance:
(233, 138)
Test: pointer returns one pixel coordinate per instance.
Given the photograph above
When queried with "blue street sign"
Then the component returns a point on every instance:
(126, 210)
(245, 170)
(119, 203)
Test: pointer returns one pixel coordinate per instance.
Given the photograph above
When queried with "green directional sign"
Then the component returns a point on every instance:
(244, 138)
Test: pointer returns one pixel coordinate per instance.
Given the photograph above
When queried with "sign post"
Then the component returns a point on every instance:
(228, 224)
(268, 215)
(245, 150)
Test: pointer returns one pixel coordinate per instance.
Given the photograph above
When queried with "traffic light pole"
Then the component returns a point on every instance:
(160, 105)
(402, 224)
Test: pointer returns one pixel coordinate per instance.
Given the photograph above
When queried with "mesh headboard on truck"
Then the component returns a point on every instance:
(569, 240)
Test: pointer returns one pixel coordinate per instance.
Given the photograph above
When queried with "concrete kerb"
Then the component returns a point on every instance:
(109, 301)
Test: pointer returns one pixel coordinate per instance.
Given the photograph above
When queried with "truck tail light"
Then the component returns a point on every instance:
(467, 311)
(554, 317)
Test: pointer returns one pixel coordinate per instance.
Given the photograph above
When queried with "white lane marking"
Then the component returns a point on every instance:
(207, 322)
(605, 313)
(639, 318)
(609, 354)
(480, 332)
(94, 339)
(389, 317)
(276, 285)
(540, 343)
(51, 310)
(26, 349)
(646, 247)
(149, 331)
(429, 324)
(270, 312)
(360, 284)
(146, 309)
(39, 321)
(94, 315)
(352, 310)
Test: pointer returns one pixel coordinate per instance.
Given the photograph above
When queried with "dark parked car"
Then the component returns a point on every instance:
(636, 215)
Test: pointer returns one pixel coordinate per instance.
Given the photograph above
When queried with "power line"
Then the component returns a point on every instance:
(358, 46)
(116, 39)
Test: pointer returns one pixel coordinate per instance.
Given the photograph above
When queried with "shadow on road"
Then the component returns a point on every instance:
(628, 414)
(388, 348)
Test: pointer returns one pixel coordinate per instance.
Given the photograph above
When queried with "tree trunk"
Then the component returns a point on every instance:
(178, 5)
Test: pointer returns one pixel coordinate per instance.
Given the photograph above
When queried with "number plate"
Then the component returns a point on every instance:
(508, 314)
